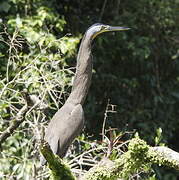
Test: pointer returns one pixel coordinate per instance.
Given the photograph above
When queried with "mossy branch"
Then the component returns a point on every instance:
(139, 157)
(59, 170)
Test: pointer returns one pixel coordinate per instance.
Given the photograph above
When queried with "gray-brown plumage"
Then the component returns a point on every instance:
(68, 122)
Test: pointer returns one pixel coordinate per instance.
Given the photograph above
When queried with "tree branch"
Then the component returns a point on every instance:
(59, 170)
(169, 156)
(14, 124)
(32, 102)
(138, 156)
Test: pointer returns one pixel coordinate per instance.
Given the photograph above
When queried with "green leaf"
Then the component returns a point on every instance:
(4, 6)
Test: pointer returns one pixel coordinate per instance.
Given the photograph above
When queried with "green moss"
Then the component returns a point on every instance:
(135, 159)
(161, 159)
(138, 158)
(103, 171)
(59, 170)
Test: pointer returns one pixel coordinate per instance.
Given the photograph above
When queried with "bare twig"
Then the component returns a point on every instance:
(15, 124)
(118, 169)
(20, 117)
(102, 10)
(104, 121)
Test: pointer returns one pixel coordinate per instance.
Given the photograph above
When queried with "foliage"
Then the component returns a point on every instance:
(35, 62)
(135, 163)
(137, 70)
(141, 83)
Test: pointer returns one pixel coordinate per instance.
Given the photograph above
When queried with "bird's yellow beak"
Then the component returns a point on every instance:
(115, 28)
(110, 29)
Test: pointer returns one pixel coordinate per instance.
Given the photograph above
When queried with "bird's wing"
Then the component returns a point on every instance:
(61, 133)
(74, 124)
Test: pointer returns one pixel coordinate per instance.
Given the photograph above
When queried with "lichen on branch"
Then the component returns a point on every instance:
(138, 158)
(59, 170)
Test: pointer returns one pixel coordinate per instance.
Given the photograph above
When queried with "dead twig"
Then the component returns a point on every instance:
(14, 124)
(30, 104)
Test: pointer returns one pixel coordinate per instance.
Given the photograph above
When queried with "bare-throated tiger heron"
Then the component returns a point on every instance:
(68, 121)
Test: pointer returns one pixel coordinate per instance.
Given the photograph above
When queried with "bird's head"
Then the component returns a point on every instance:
(98, 28)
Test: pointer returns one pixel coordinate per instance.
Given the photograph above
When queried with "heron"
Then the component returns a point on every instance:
(68, 121)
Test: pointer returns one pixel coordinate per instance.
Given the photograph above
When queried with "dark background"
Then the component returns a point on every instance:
(136, 70)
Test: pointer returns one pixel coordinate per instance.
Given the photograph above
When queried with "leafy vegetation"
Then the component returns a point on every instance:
(137, 71)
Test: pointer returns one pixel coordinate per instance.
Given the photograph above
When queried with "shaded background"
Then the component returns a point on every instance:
(137, 70)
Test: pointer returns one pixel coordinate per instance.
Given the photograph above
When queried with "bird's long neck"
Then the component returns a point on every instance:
(83, 73)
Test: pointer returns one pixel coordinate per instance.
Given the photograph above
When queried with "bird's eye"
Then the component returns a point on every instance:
(103, 27)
